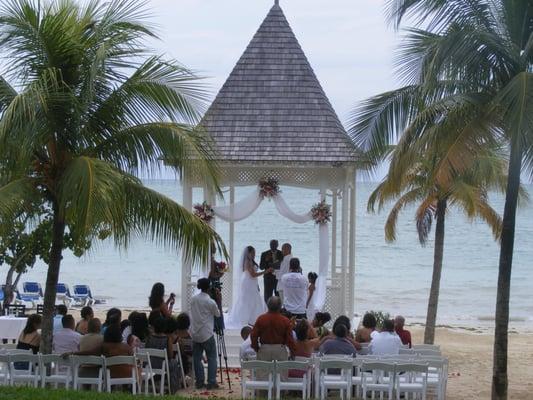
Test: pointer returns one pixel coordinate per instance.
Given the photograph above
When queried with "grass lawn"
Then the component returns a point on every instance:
(22, 393)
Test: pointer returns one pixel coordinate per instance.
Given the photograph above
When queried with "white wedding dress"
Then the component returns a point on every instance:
(250, 303)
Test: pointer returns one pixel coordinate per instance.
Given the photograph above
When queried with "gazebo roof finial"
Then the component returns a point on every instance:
(276, 2)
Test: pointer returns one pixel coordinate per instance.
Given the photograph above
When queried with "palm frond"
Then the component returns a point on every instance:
(392, 219)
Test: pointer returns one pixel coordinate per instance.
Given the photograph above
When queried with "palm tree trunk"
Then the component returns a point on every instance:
(9, 287)
(52, 277)
(438, 255)
(499, 373)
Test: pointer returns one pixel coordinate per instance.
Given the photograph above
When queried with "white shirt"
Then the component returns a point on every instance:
(283, 269)
(66, 341)
(294, 286)
(203, 310)
(385, 343)
(58, 322)
(246, 350)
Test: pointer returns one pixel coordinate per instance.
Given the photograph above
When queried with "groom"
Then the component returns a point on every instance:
(271, 259)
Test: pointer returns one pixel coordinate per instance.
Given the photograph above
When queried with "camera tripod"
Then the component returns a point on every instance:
(221, 348)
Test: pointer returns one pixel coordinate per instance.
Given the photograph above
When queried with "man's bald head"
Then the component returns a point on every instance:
(399, 322)
(274, 304)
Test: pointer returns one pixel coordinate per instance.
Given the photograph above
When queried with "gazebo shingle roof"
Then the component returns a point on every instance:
(272, 107)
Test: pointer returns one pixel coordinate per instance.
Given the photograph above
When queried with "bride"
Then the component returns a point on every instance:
(249, 303)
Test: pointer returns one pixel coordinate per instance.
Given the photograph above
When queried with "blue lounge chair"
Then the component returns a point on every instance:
(31, 295)
(63, 294)
(82, 295)
(2, 293)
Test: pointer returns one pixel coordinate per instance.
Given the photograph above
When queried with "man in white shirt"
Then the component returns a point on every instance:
(66, 339)
(386, 342)
(203, 312)
(61, 311)
(286, 250)
(295, 290)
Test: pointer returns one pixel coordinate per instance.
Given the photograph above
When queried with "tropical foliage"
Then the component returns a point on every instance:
(85, 108)
(468, 66)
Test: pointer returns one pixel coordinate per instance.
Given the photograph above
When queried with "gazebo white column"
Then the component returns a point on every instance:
(351, 245)
(186, 264)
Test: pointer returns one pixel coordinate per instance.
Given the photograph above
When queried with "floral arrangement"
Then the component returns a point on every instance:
(204, 211)
(321, 213)
(268, 188)
(221, 267)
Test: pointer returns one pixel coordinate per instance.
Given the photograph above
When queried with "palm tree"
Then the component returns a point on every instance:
(469, 64)
(85, 108)
(468, 192)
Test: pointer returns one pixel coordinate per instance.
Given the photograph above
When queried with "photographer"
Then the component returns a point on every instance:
(215, 290)
(203, 311)
(157, 300)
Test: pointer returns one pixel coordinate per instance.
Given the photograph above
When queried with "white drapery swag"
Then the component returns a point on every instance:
(247, 206)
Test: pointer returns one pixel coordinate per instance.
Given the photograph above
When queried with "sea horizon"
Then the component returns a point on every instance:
(390, 277)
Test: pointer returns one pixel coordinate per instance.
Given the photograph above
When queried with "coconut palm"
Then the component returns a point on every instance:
(85, 108)
(468, 192)
(468, 63)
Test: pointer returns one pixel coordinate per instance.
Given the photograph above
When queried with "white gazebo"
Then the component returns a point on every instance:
(272, 119)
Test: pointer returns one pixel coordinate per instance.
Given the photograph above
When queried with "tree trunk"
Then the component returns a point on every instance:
(52, 277)
(438, 254)
(8, 288)
(499, 373)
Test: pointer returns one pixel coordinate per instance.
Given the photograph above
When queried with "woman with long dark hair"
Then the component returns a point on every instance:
(29, 338)
(157, 300)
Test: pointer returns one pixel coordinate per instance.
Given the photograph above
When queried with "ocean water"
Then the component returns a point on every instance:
(391, 277)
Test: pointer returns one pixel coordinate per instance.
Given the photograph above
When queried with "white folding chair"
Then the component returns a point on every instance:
(437, 375)
(147, 375)
(163, 371)
(341, 381)
(382, 378)
(4, 369)
(316, 361)
(359, 375)
(414, 378)
(296, 384)
(8, 346)
(428, 352)
(176, 348)
(24, 368)
(407, 351)
(426, 347)
(253, 383)
(55, 370)
(88, 363)
(121, 360)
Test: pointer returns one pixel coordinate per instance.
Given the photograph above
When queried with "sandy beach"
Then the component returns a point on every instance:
(470, 370)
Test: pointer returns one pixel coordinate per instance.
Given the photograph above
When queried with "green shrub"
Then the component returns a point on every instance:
(380, 317)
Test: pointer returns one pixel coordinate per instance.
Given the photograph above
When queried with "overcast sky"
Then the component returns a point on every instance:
(347, 42)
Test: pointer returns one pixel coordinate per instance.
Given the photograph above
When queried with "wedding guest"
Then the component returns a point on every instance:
(157, 300)
(114, 346)
(303, 346)
(30, 338)
(368, 330)
(386, 342)
(295, 290)
(183, 337)
(246, 351)
(274, 332)
(339, 343)
(113, 317)
(311, 277)
(286, 250)
(86, 315)
(138, 330)
(162, 341)
(271, 259)
(92, 341)
(405, 335)
(61, 311)
(321, 318)
(344, 320)
(203, 311)
(66, 339)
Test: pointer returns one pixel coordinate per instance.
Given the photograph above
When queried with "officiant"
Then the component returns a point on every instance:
(271, 259)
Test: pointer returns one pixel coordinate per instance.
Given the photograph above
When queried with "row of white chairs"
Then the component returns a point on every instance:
(22, 366)
(400, 374)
